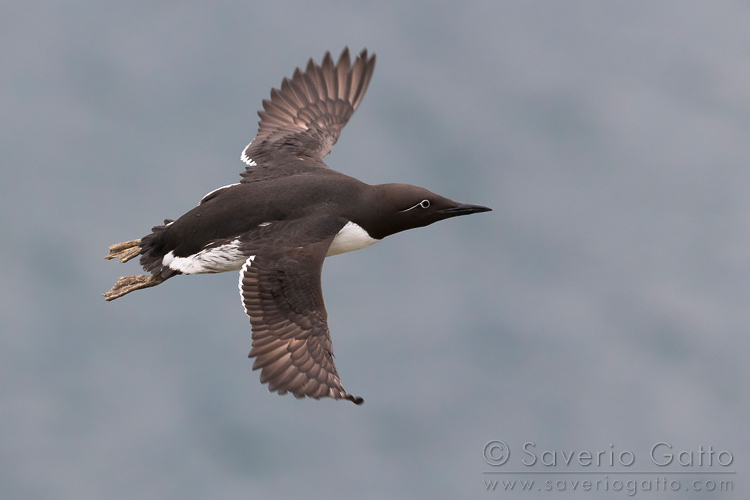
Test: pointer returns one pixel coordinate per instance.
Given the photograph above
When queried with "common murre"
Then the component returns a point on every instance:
(278, 224)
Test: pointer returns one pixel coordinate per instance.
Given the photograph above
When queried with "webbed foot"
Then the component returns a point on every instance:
(128, 284)
(124, 251)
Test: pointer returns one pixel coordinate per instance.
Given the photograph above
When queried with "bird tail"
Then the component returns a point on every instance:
(152, 251)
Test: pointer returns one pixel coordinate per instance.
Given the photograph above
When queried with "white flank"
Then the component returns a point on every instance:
(218, 259)
(245, 266)
(217, 189)
(351, 237)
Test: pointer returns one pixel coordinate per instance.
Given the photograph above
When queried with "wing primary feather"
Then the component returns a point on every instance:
(304, 118)
(330, 77)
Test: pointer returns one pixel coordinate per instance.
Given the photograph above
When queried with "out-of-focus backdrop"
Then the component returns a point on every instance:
(602, 306)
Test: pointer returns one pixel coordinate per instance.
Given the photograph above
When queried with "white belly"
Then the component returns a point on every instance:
(351, 237)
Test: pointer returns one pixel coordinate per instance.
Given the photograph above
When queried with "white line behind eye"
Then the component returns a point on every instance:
(423, 204)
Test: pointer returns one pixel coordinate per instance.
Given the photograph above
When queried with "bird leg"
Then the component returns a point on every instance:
(128, 284)
(124, 251)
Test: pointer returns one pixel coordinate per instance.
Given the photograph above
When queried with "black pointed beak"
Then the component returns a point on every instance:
(463, 209)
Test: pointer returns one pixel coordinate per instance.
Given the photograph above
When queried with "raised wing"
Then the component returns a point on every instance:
(304, 118)
(282, 295)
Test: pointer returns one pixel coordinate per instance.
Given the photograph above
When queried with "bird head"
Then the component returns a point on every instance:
(403, 206)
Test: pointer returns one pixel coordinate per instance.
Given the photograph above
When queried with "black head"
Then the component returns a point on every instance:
(402, 207)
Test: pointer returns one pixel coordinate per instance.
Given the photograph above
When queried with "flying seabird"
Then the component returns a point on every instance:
(286, 215)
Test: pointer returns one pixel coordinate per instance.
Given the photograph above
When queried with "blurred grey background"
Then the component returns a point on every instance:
(602, 305)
